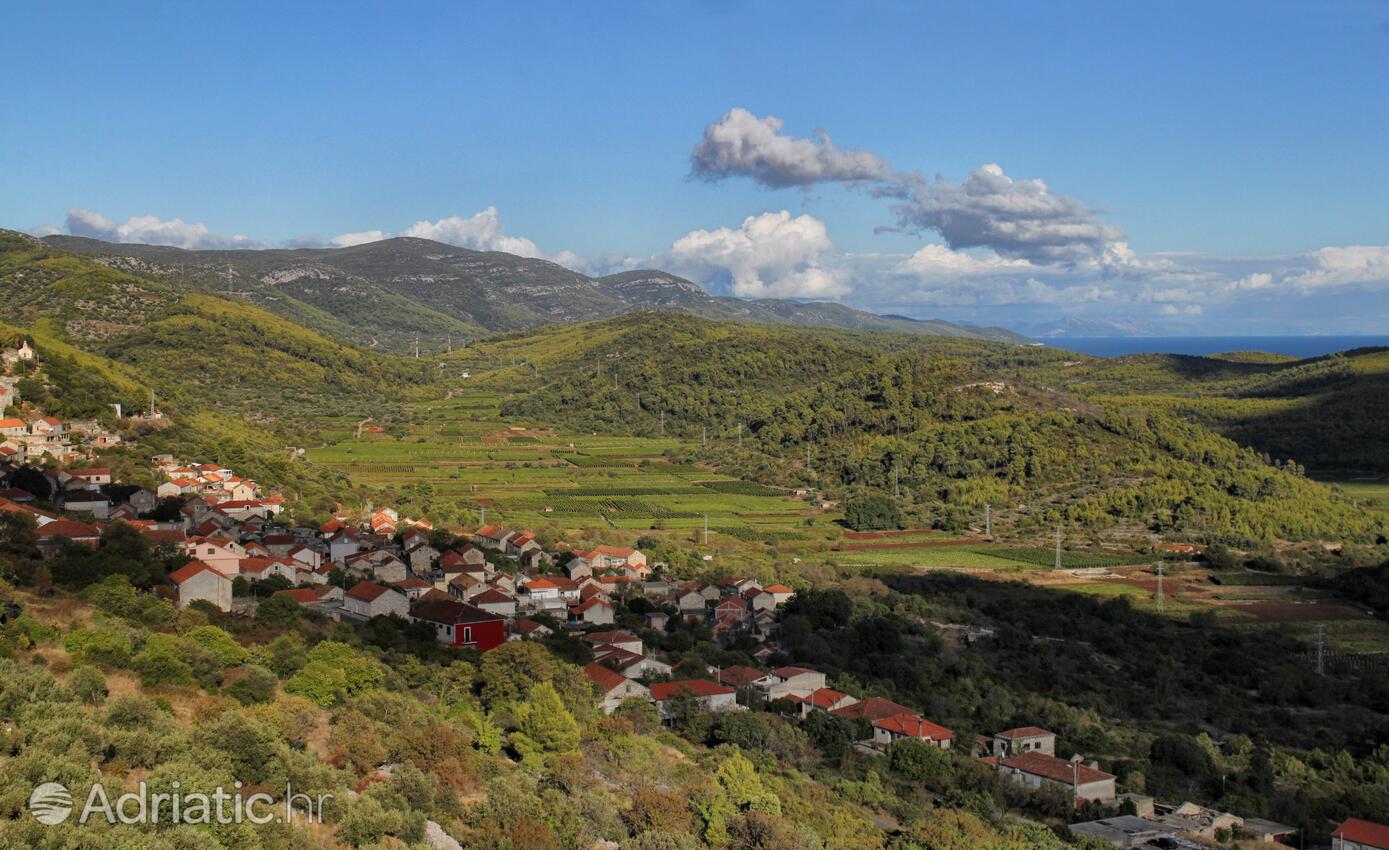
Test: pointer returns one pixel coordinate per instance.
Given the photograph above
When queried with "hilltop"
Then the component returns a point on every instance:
(383, 294)
(952, 425)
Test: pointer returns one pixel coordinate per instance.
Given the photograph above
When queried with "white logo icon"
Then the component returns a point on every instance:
(50, 804)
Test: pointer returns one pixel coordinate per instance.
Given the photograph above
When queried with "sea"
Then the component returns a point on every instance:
(1293, 346)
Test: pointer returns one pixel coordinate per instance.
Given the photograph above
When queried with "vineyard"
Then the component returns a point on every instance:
(1039, 556)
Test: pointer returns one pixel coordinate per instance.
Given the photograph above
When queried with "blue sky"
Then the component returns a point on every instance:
(1211, 153)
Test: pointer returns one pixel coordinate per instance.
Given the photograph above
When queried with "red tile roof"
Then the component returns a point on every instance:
(778, 588)
(826, 697)
(1023, 732)
(873, 708)
(740, 675)
(69, 528)
(613, 637)
(789, 672)
(1363, 832)
(451, 612)
(662, 691)
(302, 595)
(367, 591)
(604, 678)
(190, 569)
(1051, 767)
(491, 596)
(915, 726)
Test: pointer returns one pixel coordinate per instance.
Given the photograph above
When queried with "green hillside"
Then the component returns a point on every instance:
(958, 423)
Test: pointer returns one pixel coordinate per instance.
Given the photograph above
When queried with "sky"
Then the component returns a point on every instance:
(1164, 168)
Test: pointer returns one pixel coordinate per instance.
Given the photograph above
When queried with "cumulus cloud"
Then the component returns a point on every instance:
(1018, 219)
(937, 262)
(481, 232)
(742, 145)
(347, 240)
(769, 255)
(1348, 265)
(151, 230)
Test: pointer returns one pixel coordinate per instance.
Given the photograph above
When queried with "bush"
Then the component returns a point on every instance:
(86, 684)
(255, 685)
(872, 511)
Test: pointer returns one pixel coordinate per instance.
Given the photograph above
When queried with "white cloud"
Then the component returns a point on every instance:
(768, 255)
(1349, 265)
(1018, 219)
(151, 230)
(347, 240)
(937, 262)
(482, 232)
(742, 145)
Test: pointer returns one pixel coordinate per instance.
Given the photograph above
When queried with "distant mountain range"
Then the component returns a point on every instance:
(384, 294)
(1100, 326)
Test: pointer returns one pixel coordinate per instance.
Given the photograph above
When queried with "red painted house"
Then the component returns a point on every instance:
(461, 625)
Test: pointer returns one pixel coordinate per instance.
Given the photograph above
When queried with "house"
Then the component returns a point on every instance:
(466, 555)
(92, 502)
(580, 566)
(260, 569)
(709, 695)
(413, 587)
(1082, 782)
(691, 601)
(1126, 831)
(630, 561)
(367, 599)
(873, 708)
(915, 726)
(522, 629)
(54, 536)
(631, 664)
(1025, 739)
(496, 602)
(461, 625)
(597, 611)
(759, 600)
(11, 427)
(613, 686)
(221, 553)
(93, 476)
(345, 542)
(197, 581)
(656, 620)
(826, 700)
(491, 536)
(738, 676)
(781, 594)
(791, 681)
(143, 501)
(620, 639)
(1357, 834)
(422, 557)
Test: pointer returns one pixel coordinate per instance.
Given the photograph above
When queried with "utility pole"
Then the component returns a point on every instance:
(807, 457)
(1057, 565)
(706, 529)
(896, 491)
(482, 515)
(740, 436)
(1321, 649)
(1158, 566)
(663, 423)
(988, 520)
(703, 436)
(417, 346)
(450, 343)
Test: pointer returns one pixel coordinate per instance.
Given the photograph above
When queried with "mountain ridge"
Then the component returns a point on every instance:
(383, 294)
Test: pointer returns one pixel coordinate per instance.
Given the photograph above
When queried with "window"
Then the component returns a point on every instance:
(467, 634)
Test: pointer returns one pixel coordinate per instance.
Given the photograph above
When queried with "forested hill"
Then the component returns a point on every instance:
(239, 383)
(385, 294)
(950, 424)
(1326, 413)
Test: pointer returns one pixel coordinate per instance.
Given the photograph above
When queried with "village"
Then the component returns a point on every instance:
(476, 590)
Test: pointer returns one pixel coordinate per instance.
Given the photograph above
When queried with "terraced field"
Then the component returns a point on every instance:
(463, 449)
